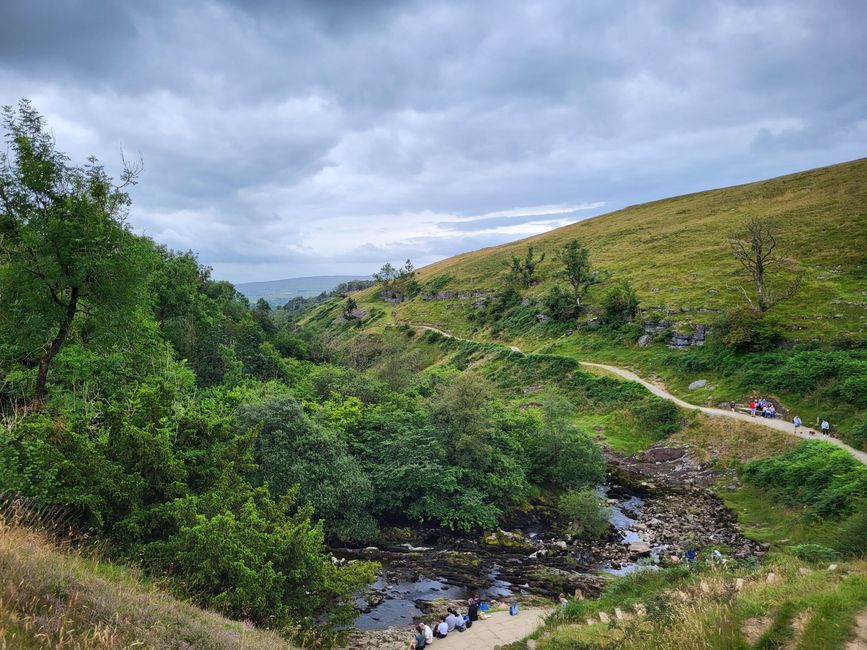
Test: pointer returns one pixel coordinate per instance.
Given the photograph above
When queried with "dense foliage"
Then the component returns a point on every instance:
(824, 479)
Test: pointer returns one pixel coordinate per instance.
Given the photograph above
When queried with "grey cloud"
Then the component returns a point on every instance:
(285, 135)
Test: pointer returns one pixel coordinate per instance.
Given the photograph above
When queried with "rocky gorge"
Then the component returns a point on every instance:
(660, 508)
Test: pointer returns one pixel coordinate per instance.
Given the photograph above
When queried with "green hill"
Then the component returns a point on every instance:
(676, 254)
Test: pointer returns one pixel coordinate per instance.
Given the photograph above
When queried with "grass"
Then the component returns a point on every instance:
(702, 607)
(53, 597)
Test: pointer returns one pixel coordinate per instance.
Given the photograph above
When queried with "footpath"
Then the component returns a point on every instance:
(779, 425)
(498, 630)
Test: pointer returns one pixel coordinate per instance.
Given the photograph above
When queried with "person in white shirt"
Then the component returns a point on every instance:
(442, 628)
(797, 423)
(455, 621)
(826, 428)
(428, 633)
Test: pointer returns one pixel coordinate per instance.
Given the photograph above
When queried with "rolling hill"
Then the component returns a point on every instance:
(675, 253)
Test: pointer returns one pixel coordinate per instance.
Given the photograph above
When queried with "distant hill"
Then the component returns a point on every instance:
(279, 292)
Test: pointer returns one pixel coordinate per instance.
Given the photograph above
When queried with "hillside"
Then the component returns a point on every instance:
(675, 254)
(278, 292)
(55, 598)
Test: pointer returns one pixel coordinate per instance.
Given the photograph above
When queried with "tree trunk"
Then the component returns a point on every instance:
(53, 349)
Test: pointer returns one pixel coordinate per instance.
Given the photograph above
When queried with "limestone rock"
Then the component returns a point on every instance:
(699, 383)
(639, 548)
(603, 617)
(739, 584)
(644, 340)
(772, 578)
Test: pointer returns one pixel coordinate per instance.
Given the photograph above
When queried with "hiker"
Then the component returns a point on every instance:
(473, 611)
(797, 423)
(753, 407)
(441, 630)
(563, 600)
(826, 428)
(428, 633)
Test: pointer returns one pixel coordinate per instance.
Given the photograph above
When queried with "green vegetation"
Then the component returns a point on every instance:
(677, 257)
(586, 512)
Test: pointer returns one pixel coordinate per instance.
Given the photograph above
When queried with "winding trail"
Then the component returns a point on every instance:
(779, 425)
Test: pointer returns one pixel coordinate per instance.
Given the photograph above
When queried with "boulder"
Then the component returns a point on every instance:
(698, 383)
(604, 618)
(639, 548)
(644, 340)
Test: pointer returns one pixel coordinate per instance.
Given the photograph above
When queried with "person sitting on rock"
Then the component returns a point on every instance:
(428, 633)
(441, 630)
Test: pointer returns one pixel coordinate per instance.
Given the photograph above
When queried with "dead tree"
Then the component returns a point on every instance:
(755, 252)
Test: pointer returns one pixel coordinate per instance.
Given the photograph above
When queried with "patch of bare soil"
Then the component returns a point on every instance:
(859, 642)
(754, 628)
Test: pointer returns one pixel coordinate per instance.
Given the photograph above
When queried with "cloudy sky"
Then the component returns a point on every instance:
(312, 137)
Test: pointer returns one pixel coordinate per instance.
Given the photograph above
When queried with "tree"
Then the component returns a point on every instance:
(349, 306)
(523, 272)
(576, 268)
(619, 304)
(64, 245)
(755, 252)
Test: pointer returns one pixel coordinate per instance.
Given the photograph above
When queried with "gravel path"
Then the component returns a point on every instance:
(779, 425)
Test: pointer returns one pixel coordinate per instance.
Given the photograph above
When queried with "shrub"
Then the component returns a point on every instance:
(587, 513)
(814, 553)
(560, 305)
(825, 479)
(746, 330)
(657, 416)
(852, 533)
(619, 304)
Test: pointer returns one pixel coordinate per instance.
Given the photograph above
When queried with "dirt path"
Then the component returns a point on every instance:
(779, 425)
(859, 642)
(500, 629)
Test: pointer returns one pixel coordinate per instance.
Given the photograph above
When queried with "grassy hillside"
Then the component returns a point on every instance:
(51, 598)
(674, 252)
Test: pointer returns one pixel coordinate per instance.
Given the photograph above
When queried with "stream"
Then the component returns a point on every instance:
(535, 560)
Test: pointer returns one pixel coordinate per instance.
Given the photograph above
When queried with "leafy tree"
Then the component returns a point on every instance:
(619, 304)
(576, 269)
(559, 304)
(755, 252)
(523, 272)
(349, 305)
(292, 450)
(65, 247)
(587, 513)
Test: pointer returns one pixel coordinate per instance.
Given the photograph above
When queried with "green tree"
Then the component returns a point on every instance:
(586, 512)
(619, 304)
(65, 248)
(576, 269)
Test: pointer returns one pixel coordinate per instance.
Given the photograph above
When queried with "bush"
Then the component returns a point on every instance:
(560, 305)
(658, 417)
(852, 533)
(825, 479)
(746, 330)
(619, 304)
(587, 513)
(814, 553)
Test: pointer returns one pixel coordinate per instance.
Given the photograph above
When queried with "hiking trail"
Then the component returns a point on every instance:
(659, 391)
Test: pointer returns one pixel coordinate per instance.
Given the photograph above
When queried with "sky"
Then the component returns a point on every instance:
(289, 138)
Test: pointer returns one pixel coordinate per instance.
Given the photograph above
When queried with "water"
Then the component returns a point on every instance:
(399, 608)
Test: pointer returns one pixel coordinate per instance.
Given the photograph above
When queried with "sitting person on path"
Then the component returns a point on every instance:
(419, 642)
(441, 630)
(428, 633)
(826, 428)
(472, 612)
(797, 423)
(455, 621)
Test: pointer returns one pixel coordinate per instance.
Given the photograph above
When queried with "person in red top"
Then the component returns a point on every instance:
(753, 408)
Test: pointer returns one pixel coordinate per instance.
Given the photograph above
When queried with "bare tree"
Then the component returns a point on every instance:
(755, 252)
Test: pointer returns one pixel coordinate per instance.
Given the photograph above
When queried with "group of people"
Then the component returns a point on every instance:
(765, 407)
(449, 622)
(825, 427)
